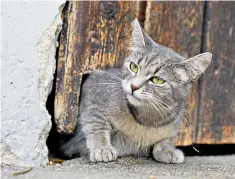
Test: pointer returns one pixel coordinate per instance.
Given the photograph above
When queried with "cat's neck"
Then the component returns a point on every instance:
(148, 115)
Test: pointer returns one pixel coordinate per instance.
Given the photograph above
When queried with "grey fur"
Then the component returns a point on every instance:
(115, 122)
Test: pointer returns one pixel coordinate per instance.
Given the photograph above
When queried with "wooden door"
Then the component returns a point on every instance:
(96, 34)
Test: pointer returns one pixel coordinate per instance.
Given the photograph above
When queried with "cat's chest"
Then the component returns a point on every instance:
(142, 136)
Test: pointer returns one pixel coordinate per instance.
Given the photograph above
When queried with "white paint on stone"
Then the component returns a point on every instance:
(24, 118)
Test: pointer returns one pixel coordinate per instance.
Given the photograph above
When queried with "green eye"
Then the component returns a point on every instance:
(134, 67)
(157, 80)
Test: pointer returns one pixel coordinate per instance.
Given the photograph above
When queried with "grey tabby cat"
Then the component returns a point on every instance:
(136, 110)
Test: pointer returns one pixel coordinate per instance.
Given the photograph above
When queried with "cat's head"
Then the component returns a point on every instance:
(156, 73)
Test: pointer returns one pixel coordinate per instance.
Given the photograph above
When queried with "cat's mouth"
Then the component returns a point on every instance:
(134, 96)
(133, 99)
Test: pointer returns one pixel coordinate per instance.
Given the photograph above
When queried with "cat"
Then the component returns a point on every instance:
(136, 109)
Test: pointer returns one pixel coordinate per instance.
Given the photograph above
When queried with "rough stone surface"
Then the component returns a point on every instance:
(25, 121)
(194, 168)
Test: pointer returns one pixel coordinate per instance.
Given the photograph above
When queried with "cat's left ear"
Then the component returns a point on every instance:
(192, 68)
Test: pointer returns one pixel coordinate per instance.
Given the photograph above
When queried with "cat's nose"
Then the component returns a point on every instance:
(133, 87)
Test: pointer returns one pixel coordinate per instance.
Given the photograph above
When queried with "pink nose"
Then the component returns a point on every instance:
(133, 87)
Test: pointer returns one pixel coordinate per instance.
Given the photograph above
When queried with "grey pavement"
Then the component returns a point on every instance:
(194, 167)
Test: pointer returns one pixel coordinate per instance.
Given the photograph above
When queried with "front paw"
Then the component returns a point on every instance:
(168, 155)
(104, 154)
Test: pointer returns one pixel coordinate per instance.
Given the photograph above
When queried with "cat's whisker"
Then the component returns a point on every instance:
(149, 99)
(160, 106)
(174, 114)
(180, 123)
(110, 75)
(106, 83)
(112, 92)
(177, 112)
(156, 109)
(170, 110)
(186, 132)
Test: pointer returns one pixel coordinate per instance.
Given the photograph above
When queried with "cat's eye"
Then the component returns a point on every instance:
(157, 80)
(134, 67)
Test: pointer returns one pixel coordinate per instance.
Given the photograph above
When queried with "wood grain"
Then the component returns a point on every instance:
(95, 34)
(216, 119)
(178, 25)
(98, 34)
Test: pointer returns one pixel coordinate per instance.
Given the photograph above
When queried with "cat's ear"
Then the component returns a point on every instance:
(192, 68)
(138, 39)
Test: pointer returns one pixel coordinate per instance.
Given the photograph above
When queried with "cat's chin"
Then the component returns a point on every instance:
(133, 100)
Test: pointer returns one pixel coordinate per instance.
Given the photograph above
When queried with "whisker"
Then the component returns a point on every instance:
(170, 110)
(164, 103)
(106, 83)
(177, 117)
(160, 105)
(108, 74)
(157, 109)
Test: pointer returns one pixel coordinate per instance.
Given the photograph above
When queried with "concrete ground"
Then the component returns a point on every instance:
(213, 167)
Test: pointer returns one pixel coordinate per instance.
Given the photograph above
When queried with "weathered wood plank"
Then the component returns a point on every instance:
(97, 34)
(216, 120)
(178, 25)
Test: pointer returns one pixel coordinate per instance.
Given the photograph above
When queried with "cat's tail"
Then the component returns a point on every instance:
(64, 146)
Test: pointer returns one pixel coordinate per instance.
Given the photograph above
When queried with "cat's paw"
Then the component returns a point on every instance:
(168, 155)
(104, 154)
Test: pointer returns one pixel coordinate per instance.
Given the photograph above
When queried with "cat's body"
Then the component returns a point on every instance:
(128, 135)
(132, 110)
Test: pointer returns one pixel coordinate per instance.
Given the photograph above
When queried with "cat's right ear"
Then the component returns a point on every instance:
(138, 39)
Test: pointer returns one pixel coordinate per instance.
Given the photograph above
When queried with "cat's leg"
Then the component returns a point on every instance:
(100, 147)
(165, 152)
(97, 133)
